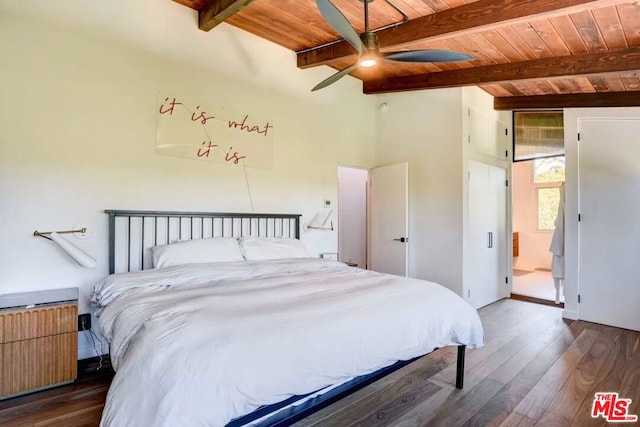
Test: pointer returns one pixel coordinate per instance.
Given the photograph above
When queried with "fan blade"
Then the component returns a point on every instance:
(334, 78)
(431, 55)
(337, 20)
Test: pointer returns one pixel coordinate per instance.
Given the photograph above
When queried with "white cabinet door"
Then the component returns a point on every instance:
(498, 229)
(389, 198)
(486, 259)
(479, 257)
(487, 135)
(502, 141)
(609, 186)
(479, 131)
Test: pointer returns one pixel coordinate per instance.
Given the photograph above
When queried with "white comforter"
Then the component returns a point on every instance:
(202, 344)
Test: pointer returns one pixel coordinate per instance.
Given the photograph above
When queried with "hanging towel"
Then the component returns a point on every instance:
(557, 241)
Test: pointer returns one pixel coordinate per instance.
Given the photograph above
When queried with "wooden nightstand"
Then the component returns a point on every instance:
(38, 340)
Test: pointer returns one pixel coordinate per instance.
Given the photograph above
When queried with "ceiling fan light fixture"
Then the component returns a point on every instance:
(367, 43)
(369, 59)
(367, 63)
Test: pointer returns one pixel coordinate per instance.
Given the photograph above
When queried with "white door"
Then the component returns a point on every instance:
(498, 229)
(609, 227)
(389, 201)
(486, 258)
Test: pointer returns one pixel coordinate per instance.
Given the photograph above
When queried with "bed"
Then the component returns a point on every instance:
(254, 341)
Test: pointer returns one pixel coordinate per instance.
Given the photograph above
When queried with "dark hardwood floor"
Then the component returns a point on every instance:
(75, 405)
(535, 369)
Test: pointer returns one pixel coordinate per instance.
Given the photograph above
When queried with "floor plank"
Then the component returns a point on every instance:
(567, 402)
(535, 369)
(425, 368)
(78, 404)
(611, 376)
(386, 406)
(516, 420)
(521, 373)
(538, 399)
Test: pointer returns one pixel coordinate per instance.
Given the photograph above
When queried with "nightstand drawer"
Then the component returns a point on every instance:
(23, 324)
(34, 364)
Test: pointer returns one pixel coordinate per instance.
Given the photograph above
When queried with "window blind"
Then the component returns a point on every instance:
(537, 134)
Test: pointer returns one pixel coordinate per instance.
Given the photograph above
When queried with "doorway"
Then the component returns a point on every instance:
(536, 199)
(373, 218)
(352, 216)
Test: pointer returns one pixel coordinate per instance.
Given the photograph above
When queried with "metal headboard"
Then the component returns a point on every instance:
(133, 233)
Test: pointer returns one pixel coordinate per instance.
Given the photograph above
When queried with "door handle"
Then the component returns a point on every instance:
(401, 239)
(489, 239)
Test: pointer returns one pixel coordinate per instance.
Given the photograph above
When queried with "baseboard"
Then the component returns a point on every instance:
(536, 300)
(91, 351)
(570, 314)
(93, 365)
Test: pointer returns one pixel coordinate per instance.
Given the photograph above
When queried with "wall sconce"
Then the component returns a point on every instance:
(321, 221)
(78, 255)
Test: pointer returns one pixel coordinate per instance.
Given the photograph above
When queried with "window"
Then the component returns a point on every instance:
(537, 134)
(548, 175)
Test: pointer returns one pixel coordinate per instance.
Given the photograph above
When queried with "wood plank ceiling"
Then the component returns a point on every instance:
(533, 53)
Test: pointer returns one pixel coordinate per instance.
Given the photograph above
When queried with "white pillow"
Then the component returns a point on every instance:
(261, 248)
(216, 249)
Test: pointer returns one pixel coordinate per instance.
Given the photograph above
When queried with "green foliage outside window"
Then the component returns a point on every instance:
(548, 174)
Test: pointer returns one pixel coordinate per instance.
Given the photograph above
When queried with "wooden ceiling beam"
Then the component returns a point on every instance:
(481, 15)
(578, 100)
(627, 59)
(217, 11)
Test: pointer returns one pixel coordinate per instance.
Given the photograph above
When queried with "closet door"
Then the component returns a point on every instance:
(486, 258)
(498, 230)
(609, 186)
(488, 136)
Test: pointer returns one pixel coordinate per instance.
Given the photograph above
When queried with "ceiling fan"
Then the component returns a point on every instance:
(367, 45)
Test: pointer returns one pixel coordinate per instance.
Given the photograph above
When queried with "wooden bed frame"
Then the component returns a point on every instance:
(132, 234)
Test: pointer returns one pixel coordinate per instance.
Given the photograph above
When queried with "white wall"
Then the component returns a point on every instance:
(534, 244)
(429, 130)
(424, 128)
(78, 117)
(571, 116)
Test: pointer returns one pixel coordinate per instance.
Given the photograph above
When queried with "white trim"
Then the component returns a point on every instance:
(569, 314)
